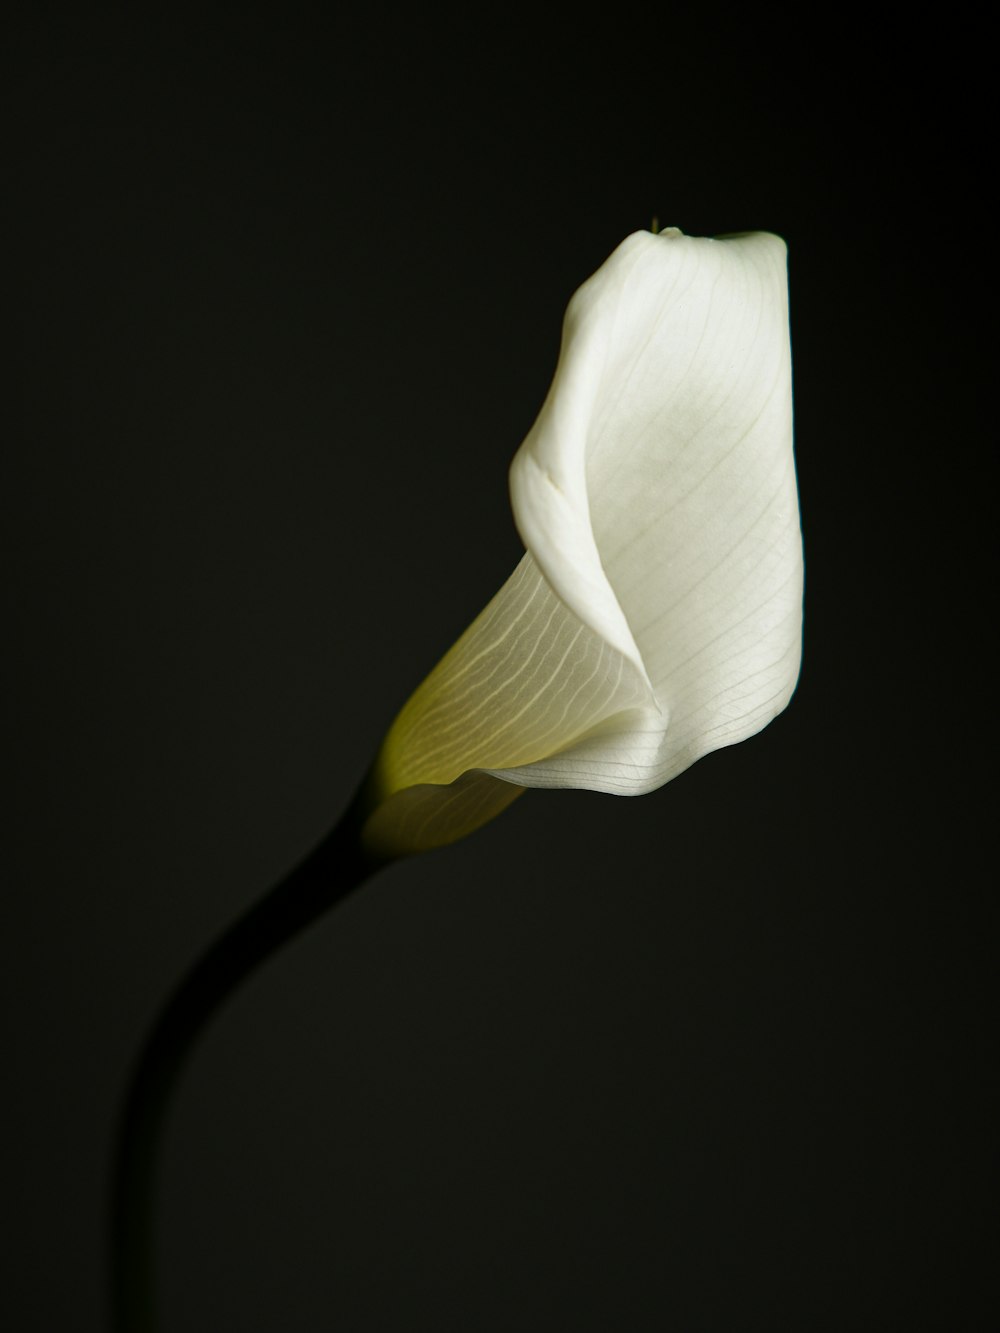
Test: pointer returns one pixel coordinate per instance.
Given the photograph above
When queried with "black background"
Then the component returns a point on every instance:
(287, 296)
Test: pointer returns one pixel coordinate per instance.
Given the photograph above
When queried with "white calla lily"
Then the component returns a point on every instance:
(657, 612)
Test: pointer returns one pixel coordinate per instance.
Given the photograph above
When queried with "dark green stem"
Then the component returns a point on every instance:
(336, 867)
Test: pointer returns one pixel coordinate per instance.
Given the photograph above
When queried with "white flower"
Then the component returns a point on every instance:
(657, 612)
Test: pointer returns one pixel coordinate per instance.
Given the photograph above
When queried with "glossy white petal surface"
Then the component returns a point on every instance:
(687, 480)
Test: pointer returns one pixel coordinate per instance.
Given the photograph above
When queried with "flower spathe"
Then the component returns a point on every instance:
(657, 612)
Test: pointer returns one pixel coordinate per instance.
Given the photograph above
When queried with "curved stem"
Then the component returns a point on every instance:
(328, 875)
